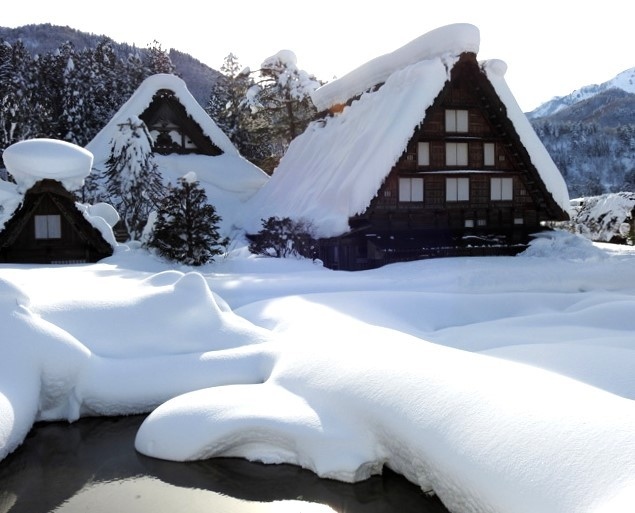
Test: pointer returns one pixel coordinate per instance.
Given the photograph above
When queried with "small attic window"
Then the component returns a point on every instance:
(456, 120)
(48, 227)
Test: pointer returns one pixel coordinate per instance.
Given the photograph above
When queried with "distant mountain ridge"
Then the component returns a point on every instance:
(620, 89)
(590, 135)
(44, 38)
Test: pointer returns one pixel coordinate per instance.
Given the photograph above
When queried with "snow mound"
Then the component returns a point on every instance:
(469, 432)
(36, 159)
(563, 245)
(180, 307)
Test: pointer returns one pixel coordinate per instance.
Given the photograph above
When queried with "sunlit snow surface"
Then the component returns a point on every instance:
(503, 384)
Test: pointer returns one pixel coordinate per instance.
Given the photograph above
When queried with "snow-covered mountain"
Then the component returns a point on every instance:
(622, 83)
(590, 135)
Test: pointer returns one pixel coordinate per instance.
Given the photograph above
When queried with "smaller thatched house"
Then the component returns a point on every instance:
(40, 221)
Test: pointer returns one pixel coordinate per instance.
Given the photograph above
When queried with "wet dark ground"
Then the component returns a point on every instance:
(92, 466)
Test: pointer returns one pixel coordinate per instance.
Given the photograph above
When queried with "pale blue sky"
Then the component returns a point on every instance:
(551, 47)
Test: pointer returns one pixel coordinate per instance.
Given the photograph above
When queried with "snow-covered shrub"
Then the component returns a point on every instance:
(186, 226)
(284, 237)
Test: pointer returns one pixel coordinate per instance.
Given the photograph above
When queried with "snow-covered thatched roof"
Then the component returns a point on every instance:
(34, 160)
(333, 170)
(228, 179)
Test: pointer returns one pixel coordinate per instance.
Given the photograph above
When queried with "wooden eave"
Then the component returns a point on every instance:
(165, 109)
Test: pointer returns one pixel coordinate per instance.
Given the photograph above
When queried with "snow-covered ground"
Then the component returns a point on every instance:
(503, 384)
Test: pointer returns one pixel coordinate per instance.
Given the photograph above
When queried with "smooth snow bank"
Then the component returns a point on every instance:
(451, 40)
(36, 159)
(484, 434)
(503, 384)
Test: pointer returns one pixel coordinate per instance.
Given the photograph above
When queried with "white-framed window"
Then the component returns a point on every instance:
(410, 189)
(469, 223)
(48, 226)
(489, 154)
(456, 120)
(457, 189)
(423, 153)
(502, 189)
(456, 154)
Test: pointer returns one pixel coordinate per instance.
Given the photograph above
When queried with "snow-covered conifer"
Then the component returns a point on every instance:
(186, 225)
(133, 181)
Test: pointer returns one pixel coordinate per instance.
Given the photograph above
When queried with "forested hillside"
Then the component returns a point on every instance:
(60, 83)
(590, 135)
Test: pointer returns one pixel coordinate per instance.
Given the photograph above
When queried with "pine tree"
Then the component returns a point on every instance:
(231, 111)
(133, 181)
(16, 94)
(281, 100)
(186, 225)
(158, 60)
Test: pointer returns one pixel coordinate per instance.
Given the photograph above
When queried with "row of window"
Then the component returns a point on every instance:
(456, 154)
(456, 189)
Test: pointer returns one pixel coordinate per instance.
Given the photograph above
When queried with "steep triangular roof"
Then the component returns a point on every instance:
(147, 100)
(333, 170)
(227, 177)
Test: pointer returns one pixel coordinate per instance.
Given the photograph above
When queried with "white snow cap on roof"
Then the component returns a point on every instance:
(139, 102)
(450, 40)
(332, 171)
(37, 159)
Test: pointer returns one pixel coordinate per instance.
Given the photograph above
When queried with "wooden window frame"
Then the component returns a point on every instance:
(423, 153)
(456, 154)
(47, 226)
(411, 189)
(457, 121)
(457, 189)
(501, 188)
(489, 154)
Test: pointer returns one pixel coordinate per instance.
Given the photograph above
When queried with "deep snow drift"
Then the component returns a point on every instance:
(503, 384)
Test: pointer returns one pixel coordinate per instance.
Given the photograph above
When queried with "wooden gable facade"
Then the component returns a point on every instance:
(49, 229)
(465, 185)
(173, 128)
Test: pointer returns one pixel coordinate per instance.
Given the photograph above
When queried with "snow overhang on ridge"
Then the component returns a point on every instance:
(450, 40)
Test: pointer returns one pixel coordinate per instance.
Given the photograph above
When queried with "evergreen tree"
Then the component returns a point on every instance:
(16, 94)
(75, 102)
(186, 226)
(133, 181)
(281, 101)
(158, 60)
(107, 86)
(228, 107)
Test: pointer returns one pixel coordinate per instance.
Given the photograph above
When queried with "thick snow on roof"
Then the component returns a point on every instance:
(36, 159)
(139, 102)
(549, 173)
(33, 160)
(332, 171)
(228, 179)
(449, 40)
